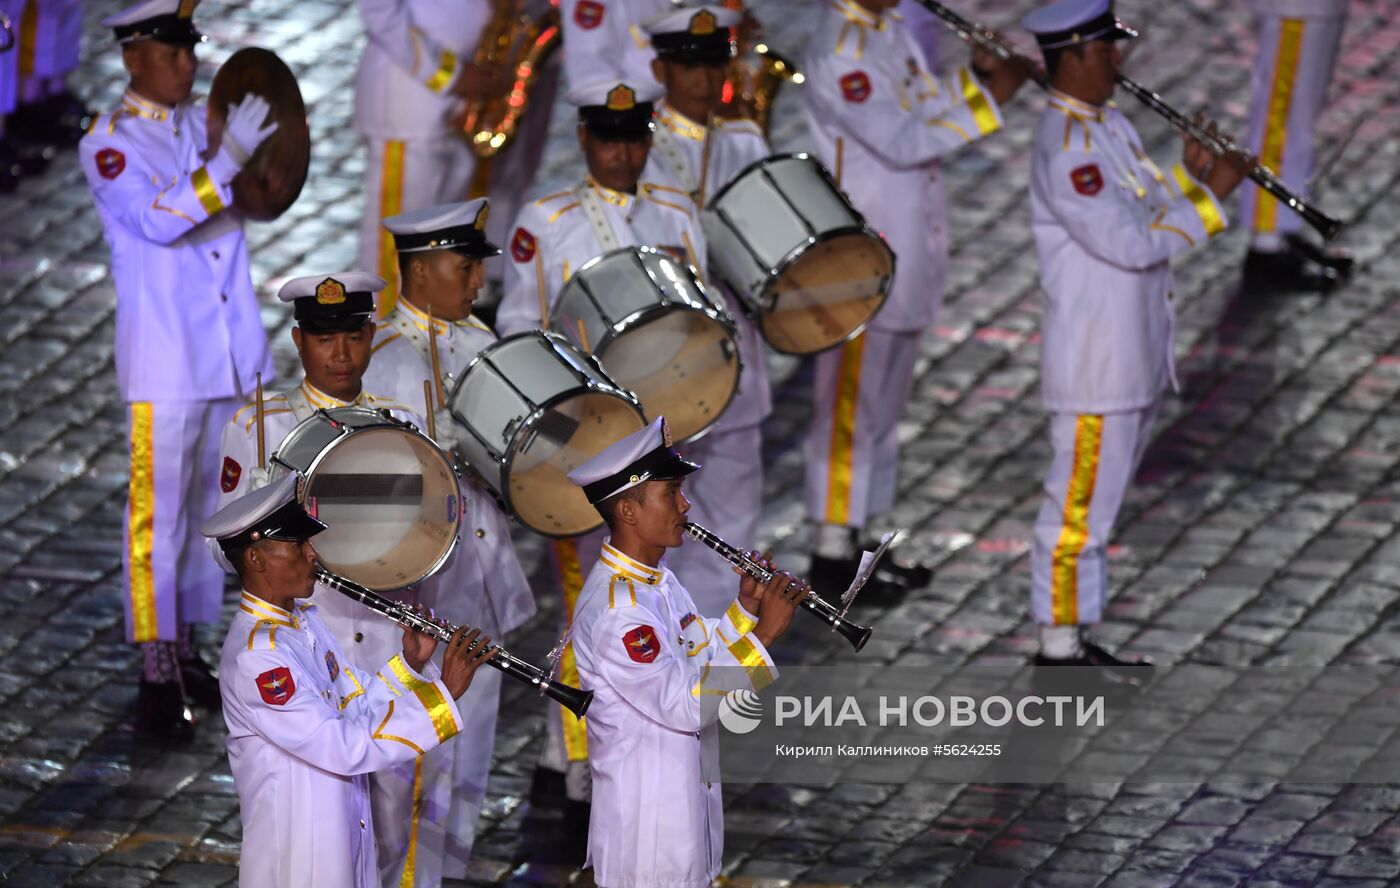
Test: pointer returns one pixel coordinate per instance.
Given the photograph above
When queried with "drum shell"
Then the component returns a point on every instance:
(616, 296)
(767, 218)
(272, 179)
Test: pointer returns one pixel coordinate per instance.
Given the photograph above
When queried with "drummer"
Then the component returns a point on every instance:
(189, 343)
(441, 251)
(553, 236)
(693, 50)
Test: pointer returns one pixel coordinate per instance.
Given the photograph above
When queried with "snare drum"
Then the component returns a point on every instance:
(657, 333)
(386, 493)
(801, 258)
(535, 407)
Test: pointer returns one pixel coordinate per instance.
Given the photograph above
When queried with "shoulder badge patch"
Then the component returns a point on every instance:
(110, 163)
(855, 86)
(228, 478)
(277, 686)
(522, 246)
(589, 14)
(641, 644)
(332, 666)
(1087, 179)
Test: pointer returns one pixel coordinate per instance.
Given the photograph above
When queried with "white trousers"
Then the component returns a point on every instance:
(1094, 457)
(1291, 72)
(566, 737)
(170, 578)
(726, 496)
(852, 446)
(404, 175)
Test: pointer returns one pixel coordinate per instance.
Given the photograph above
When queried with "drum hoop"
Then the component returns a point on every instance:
(772, 159)
(484, 356)
(346, 432)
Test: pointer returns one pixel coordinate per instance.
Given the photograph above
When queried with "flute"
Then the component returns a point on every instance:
(856, 635)
(1326, 225)
(573, 699)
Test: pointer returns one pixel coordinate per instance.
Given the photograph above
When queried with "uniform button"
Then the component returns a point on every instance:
(362, 824)
(223, 297)
(359, 636)
(480, 533)
(215, 254)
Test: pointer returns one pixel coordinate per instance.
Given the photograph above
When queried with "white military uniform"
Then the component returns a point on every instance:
(1298, 43)
(869, 91)
(306, 728)
(727, 497)
(189, 345)
(57, 35)
(657, 670)
(1107, 222)
(484, 585)
(404, 108)
(603, 40)
(9, 64)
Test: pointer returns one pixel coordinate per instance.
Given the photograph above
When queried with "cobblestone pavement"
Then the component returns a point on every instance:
(1259, 534)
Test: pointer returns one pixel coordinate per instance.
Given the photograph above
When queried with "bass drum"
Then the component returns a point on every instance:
(386, 493)
(808, 268)
(658, 334)
(535, 407)
(272, 179)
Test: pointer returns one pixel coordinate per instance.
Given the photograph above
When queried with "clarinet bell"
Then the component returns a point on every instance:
(576, 700)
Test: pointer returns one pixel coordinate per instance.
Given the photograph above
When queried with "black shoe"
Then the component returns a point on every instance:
(161, 711)
(58, 121)
(574, 843)
(830, 577)
(910, 575)
(22, 160)
(201, 684)
(1339, 260)
(1287, 270)
(1078, 677)
(547, 787)
(1133, 670)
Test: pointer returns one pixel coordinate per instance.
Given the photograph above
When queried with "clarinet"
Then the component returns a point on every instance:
(814, 604)
(1326, 225)
(573, 699)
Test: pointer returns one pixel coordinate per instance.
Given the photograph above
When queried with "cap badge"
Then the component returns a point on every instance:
(702, 23)
(330, 292)
(621, 98)
(481, 215)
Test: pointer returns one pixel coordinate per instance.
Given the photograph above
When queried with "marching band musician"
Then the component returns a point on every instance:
(603, 40)
(1298, 44)
(1107, 222)
(881, 121)
(416, 71)
(441, 252)
(693, 51)
(552, 237)
(657, 669)
(305, 726)
(189, 339)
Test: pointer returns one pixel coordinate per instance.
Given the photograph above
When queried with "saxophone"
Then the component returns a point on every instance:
(521, 45)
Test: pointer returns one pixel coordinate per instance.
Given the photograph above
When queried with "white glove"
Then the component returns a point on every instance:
(258, 478)
(246, 127)
(446, 428)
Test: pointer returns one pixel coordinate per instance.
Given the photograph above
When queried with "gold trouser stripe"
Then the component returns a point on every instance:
(571, 581)
(843, 430)
(206, 191)
(1074, 531)
(1290, 44)
(977, 101)
(390, 199)
(752, 661)
(1205, 207)
(28, 36)
(406, 880)
(140, 540)
(429, 697)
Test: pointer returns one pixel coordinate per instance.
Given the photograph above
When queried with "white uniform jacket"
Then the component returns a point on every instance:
(415, 51)
(1107, 222)
(305, 729)
(675, 160)
(869, 86)
(553, 236)
(187, 317)
(658, 671)
(603, 39)
(401, 363)
(1300, 8)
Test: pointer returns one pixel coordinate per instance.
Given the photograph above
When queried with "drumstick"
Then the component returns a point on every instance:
(258, 411)
(433, 355)
(429, 415)
(690, 255)
(839, 146)
(583, 336)
(544, 297)
(705, 161)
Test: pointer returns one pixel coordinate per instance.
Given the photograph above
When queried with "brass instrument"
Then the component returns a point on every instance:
(522, 46)
(751, 85)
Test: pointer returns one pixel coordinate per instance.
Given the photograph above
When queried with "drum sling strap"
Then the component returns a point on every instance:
(597, 217)
(405, 325)
(664, 141)
(301, 408)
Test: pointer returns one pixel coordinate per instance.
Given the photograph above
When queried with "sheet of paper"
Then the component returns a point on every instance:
(868, 562)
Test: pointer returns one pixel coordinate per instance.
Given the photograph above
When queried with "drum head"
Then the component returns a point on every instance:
(827, 294)
(390, 503)
(271, 181)
(573, 430)
(681, 364)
